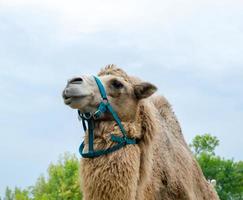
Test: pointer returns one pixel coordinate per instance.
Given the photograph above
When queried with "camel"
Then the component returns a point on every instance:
(160, 166)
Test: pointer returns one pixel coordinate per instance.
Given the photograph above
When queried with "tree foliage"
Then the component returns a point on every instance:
(204, 143)
(227, 172)
(62, 183)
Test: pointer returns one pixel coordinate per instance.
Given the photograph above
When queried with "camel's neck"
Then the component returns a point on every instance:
(102, 128)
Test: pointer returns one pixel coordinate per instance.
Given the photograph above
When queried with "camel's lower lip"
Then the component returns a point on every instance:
(68, 100)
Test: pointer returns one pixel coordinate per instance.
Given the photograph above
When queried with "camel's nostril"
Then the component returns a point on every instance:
(77, 80)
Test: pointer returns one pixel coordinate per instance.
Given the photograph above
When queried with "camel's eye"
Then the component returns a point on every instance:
(117, 84)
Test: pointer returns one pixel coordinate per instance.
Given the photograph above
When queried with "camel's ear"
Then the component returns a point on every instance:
(144, 90)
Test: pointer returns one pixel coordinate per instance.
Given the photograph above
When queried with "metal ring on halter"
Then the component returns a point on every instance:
(97, 114)
(87, 116)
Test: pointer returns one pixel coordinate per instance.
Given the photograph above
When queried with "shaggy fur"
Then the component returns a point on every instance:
(160, 167)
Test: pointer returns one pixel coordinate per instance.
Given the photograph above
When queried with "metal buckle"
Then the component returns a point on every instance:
(87, 116)
(105, 101)
(97, 114)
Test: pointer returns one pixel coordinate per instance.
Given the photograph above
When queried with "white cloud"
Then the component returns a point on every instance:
(77, 16)
(205, 33)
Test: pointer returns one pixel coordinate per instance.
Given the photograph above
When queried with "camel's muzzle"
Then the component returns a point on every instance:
(73, 88)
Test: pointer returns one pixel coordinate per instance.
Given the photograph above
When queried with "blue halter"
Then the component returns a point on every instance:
(90, 118)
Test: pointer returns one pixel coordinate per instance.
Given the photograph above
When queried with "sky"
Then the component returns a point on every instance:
(192, 51)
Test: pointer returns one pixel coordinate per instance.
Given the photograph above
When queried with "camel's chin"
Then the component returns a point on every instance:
(74, 103)
(81, 103)
(74, 106)
(68, 101)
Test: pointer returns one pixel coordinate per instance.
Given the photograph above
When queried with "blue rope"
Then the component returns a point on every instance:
(101, 88)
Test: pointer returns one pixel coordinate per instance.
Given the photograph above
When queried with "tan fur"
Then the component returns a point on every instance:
(160, 167)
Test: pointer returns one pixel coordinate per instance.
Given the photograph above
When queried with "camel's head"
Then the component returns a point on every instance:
(123, 92)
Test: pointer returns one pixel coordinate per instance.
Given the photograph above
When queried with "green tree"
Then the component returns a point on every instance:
(204, 143)
(9, 194)
(62, 183)
(21, 194)
(227, 173)
(16, 194)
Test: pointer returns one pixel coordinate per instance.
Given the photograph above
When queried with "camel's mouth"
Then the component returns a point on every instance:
(69, 99)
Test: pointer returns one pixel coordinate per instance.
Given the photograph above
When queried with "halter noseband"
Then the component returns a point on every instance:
(90, 118)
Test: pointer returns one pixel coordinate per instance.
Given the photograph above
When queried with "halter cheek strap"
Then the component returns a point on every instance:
(89, 119)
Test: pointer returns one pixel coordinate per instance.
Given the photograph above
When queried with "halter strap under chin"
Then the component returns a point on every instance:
(89, 119)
